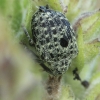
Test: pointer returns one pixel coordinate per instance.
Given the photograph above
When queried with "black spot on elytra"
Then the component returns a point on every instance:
(43, 55)
(58, 55)
(35, 32)
(71, 47)
(42, 42)
(35, 24)
(45, 32)
(41, 18)
(54, 31)
(47, 40)
(50, 46)
(51, 23)
(60, 29)
(63, 42)
(38, 46)
(52, 56)
(43, 25)
(71, 52)
(55, 39)
(34, 39)
(57, 21)
(64, 21)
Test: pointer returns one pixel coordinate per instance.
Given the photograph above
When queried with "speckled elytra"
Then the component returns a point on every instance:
(54, 40)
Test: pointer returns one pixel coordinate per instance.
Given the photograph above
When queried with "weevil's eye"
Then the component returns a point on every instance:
(63, 42)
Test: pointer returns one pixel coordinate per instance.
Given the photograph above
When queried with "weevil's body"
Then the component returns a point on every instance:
(54, 39)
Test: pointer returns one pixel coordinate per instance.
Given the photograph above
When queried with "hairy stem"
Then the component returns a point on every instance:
(53, 88)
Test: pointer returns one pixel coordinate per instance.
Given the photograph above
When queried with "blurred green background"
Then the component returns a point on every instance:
(21, 78)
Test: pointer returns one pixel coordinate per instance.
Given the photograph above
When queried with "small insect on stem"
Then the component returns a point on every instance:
(84, 83)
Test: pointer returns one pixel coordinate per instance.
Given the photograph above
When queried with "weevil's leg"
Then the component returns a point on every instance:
(28, 36)
(81, 17)
(36, 58)
(46, 68)
(84, 83)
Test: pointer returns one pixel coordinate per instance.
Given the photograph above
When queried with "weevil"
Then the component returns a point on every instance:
(53, 39)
